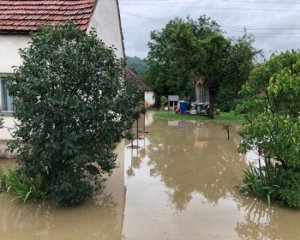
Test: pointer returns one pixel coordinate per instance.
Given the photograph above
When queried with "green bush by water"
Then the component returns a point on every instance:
(25, 187)
(2, 181)
(271, 103)
(70, 189)
(65, 126)
(260, 183)
(289, 194)
(272, 183)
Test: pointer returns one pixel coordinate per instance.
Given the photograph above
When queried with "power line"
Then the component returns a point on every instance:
(255, 36)
(211, 8)
(263, 32)
(139, 16)
(241, 28)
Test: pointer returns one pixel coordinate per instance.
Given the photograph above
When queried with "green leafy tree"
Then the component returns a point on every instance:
(73, 109)
(174, 58)
(271, 101)
(239, 63)
(217, 50)
(188, 49)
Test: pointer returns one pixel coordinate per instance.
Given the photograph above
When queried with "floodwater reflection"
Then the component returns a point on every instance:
(97, 219)
(195, 159)
(100, 218)
(184, 187)
(263, 222)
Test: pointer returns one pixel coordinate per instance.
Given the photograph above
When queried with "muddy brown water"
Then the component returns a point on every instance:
(179, 185)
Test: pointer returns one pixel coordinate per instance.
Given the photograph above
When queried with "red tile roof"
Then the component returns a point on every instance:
(130, 75)
(26, 15)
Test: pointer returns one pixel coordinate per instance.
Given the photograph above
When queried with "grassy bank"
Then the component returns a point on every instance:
(225, 116)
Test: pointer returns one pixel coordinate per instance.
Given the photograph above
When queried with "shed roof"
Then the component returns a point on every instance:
(26, 15)
(129, 75)
(173, 98)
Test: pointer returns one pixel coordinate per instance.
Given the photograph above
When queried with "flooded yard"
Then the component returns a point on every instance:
(100, 218)
(179, 185)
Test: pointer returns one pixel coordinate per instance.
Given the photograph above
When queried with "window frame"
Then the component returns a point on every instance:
(2, 97)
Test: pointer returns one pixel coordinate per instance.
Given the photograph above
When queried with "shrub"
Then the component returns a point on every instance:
(163, 100)
(2, 181)
(71, 188)
(289, 194)
(271, 104)
(73, 109)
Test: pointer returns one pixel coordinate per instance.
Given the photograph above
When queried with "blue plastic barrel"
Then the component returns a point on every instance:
(183, 105)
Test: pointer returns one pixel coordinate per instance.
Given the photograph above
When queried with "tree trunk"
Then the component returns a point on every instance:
(197, 93)
(211, 105)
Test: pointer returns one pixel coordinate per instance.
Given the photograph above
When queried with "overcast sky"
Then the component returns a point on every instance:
(275, 24)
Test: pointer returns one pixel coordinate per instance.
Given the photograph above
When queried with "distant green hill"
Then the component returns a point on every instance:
(137, 64)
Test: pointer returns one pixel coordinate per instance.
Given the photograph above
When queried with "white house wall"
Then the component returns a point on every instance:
(9, 55)
(106, 22)
(149, 98)
(9, 51)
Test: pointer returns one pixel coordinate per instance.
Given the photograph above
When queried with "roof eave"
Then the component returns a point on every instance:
(121, 28)
(91, 16)
(14, 32)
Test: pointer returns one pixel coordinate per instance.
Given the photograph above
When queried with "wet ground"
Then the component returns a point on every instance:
(180, 185)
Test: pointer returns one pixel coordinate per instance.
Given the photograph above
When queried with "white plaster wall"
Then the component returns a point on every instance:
(106, 22)
(9, 51)
(6, 132)
(149, 98)
(9, 54)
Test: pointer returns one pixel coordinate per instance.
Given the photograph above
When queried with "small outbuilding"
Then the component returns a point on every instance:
(149, 94)
(173, 101)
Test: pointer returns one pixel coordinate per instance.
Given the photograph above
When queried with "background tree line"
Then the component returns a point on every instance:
(138, 65)
(187, 49)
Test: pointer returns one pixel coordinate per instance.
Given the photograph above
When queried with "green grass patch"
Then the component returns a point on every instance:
(224, 116)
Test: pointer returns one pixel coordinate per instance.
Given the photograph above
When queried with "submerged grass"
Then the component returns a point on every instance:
(224, 116)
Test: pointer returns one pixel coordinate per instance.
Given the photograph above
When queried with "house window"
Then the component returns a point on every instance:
(7, 100)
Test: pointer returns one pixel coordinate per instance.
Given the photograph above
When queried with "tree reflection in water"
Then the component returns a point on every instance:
(264, 222)
(195, 158)
(136, 156)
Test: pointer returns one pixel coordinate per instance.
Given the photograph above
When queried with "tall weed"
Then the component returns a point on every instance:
(25, 187)
(262, 183)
